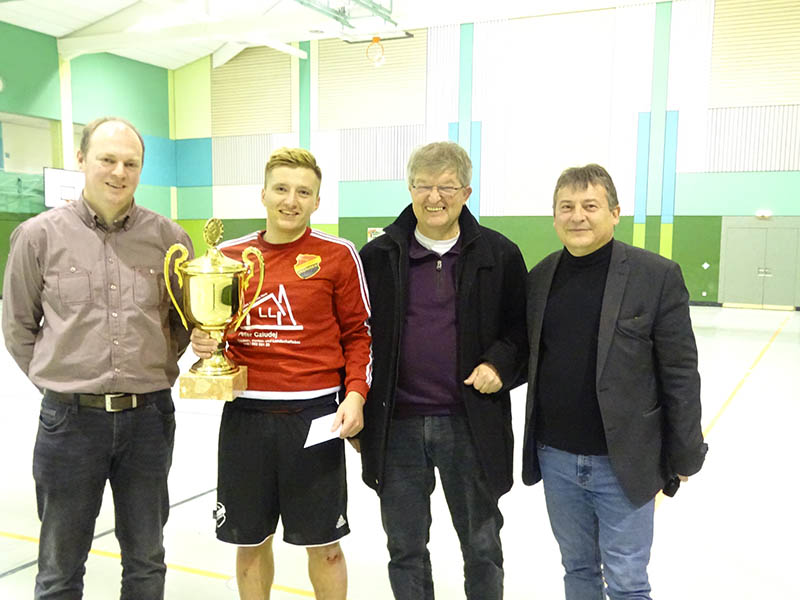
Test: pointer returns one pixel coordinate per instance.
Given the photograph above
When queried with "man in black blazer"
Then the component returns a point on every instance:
(613, 408)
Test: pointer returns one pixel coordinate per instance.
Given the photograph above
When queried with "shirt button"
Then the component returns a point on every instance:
(72, 269)
(152, 271)
(116, 342)
(114, 314)
(111, 260)
(113, 286)
(116, 369)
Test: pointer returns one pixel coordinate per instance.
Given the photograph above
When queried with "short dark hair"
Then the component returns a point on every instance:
(89, 129)
(582, 177)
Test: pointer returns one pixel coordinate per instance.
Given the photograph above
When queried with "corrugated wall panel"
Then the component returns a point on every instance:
(755, 53)
(378, 153)
(442, 81)
(240, 159)
(355, 93)
(754, 138)
(252, 94)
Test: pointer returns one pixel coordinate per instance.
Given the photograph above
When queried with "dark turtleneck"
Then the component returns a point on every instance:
(567, 412)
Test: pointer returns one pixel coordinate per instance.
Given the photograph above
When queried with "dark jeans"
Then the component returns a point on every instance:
(416, 445)
(77, 450)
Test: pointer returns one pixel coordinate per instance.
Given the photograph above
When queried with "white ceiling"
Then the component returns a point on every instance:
(173, 33)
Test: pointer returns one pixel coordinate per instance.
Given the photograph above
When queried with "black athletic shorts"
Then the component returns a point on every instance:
(264, 472)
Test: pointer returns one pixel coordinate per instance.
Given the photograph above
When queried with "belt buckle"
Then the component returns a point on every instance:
(109, 402)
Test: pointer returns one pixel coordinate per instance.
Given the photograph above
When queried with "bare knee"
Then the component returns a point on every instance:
(329, 555)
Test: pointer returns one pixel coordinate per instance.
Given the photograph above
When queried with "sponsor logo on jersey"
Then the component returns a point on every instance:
(307, 265)
(341, 522)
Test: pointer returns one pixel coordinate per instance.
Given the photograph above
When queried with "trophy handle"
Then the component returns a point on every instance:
(250, 250)
(184, 253)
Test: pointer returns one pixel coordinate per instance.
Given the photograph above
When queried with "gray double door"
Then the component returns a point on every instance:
(760, 261)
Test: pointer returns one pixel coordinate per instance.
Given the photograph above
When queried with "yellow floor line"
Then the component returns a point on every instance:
(173, 567)
(735, 391)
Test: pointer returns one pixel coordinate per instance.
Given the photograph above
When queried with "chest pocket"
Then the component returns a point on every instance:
(75, 287)
(148, 285)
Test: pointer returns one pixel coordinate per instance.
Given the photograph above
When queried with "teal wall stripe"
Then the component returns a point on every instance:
(642, 160)
(452, 132)
(385, 198)
(738, 194)
(193, 166)
(155, 198)
(670, 167)
(159, 161)
(658, 106)
(465, 86)
(195, 202)
(106, 84)
(305, 97)
(474, 201)
(29, 67)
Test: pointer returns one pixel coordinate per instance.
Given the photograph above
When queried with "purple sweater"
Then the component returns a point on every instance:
(428, 372)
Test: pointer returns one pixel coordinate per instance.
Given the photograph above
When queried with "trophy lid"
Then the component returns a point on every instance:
(213, 261)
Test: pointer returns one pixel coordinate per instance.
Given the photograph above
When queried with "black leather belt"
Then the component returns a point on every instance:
(108, 402)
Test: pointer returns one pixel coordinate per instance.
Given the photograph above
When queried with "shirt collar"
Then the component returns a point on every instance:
(92, 220)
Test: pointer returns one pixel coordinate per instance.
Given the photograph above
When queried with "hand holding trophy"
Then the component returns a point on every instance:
(213, 296)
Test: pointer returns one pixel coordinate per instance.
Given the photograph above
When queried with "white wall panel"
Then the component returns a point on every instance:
(690, 79)
(378, 153)
(441, 96)
(238, 202)
(353, 92)
(754, 138)
(558, 99)
(240, 159)
(27, 149)
(325, 147)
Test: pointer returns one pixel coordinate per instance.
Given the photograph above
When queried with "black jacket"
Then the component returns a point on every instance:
(490, 284)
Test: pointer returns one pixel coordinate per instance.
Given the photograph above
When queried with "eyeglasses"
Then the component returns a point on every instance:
(445, 191)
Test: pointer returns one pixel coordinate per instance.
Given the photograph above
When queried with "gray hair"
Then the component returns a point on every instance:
(438, 157)
(582, 177)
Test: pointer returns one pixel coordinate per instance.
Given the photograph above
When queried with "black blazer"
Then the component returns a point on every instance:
(647, 382)
(490, 309)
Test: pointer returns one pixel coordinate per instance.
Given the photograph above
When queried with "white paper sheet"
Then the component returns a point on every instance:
(320, 430)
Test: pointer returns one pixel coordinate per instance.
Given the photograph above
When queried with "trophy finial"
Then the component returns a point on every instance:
(212, 231)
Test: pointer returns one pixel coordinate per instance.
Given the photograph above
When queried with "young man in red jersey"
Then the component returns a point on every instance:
(304, 340)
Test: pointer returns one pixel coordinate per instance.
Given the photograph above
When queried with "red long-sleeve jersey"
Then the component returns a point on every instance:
(308, 330)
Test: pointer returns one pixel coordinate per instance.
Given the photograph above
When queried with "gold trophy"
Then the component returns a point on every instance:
(213, 294)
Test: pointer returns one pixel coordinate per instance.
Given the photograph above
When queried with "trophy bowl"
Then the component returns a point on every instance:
(213, 288)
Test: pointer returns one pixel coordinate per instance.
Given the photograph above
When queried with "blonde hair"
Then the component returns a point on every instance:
(293, 158)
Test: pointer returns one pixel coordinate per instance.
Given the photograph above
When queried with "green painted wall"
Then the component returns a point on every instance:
(29, 67)
(738, 194)
(8, 222)
(355, 228)
(652, 239)
(154, 197)
(195, 202)
(696, 240)
(193, 100)
(105, 84)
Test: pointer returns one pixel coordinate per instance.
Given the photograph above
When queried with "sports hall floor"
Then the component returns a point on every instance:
(731, 532)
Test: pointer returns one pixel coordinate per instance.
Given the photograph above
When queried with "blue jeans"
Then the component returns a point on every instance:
(77, 450)
(416, 445)
(600, 533)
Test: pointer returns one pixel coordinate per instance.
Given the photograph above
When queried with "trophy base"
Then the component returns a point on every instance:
(213, 387)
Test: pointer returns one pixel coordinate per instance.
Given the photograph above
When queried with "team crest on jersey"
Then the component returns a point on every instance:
(307, 265)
